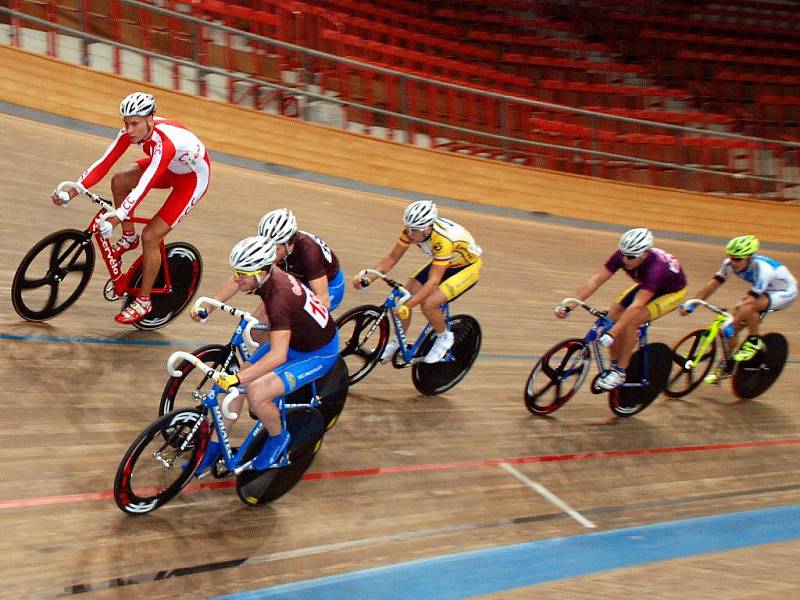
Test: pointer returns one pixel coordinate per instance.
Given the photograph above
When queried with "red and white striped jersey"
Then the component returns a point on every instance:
(171, 147)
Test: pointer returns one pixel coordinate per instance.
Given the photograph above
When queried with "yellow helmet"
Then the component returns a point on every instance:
(742, 246)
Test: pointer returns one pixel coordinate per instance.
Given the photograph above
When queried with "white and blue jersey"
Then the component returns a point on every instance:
(765, 276)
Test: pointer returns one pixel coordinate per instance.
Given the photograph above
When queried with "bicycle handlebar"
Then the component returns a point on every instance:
(405, 294)
(236, 312)
(106, 204)
(581, 303)
(191, 358)
(690, 304)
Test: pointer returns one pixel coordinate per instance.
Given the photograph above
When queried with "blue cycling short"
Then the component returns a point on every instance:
(336, 288)
(302, 368)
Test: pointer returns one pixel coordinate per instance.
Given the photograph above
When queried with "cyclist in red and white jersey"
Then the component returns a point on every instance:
(175, 159)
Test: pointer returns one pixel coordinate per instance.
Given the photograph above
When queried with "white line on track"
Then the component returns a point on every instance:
(549, 496)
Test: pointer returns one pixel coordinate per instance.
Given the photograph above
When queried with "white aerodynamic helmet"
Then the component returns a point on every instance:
(256, 253)
(137, 104)
(279, 225)
(420, 214)
(636, 242)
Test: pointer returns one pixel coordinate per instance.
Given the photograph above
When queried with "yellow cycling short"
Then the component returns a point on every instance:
(658, 306)
(456, 280)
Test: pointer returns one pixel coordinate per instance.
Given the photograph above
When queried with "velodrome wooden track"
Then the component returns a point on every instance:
(71, 407)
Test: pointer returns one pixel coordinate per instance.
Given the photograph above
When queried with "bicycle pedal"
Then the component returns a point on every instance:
(109, 293)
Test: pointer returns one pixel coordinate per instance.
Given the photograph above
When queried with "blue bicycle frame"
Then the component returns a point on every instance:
(408, 352)
(592, 340)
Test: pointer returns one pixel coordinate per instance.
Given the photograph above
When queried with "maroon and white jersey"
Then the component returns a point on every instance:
(292, 306)
(172, 149)
(311, 258)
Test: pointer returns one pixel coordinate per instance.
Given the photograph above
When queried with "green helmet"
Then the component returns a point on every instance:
(742, 246)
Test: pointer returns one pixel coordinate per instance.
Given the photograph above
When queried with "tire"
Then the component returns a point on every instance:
(682, 379)
(437, 378)
(754, 377)
(566, 362)
(59, 255)
(155, 483)
(186, 271)
(256, 488)
(332, 390)
(215, 356)
(628, 401)
(364, 333)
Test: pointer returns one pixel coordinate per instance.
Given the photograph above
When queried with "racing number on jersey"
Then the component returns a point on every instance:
(316, 309)
(672, 262)
(326, 252)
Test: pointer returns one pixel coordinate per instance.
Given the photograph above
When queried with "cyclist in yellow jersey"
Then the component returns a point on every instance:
(454, 268)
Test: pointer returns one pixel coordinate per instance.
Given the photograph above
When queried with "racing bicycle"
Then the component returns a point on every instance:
(364, 333)
(55, 272)
(193, 384)
(561, 371)
(694, 354)
(163, 458)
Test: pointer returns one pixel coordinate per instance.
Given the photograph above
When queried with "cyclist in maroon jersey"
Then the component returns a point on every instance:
(303, 345)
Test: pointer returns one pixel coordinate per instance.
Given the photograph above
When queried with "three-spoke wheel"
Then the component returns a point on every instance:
(557, 376)
(161, 461)
(364, 332)
(688, 370)
(53, 275)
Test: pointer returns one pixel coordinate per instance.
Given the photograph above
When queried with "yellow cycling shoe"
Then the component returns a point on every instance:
(752, 346)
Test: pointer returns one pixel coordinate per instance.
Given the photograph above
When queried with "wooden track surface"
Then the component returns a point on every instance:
(45, 84)
(71, 410)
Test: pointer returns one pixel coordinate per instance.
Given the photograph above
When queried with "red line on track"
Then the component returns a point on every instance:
(214, 485)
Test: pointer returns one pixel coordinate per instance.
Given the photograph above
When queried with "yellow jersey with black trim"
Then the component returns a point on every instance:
(449, 245)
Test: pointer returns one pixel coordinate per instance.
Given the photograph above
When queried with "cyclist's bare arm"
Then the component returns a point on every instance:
(278, 351)
(320, 288)
(591, 286)
(386, 263)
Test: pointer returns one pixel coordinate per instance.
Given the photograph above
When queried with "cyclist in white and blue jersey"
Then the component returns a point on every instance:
(773, 287)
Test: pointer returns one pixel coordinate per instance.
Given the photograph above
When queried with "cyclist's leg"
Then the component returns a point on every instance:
(454, 284)
(748, 314)
(299, 369)
(122, 183)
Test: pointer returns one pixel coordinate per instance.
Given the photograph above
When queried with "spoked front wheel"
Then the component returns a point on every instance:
(53, 275)
(256, 488)
(363, 334)
(754, 377)
(161, 461)
(186, 271)
(557, 376)
(689, 369)
(626, 401)
(436, 378)
(192, 385)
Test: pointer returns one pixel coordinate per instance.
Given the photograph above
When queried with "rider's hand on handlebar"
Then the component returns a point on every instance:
(685, 310)
(562, 311)
(362, 280)
(227, 380)
(62, 198)
(198, 315)
(403, 312)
